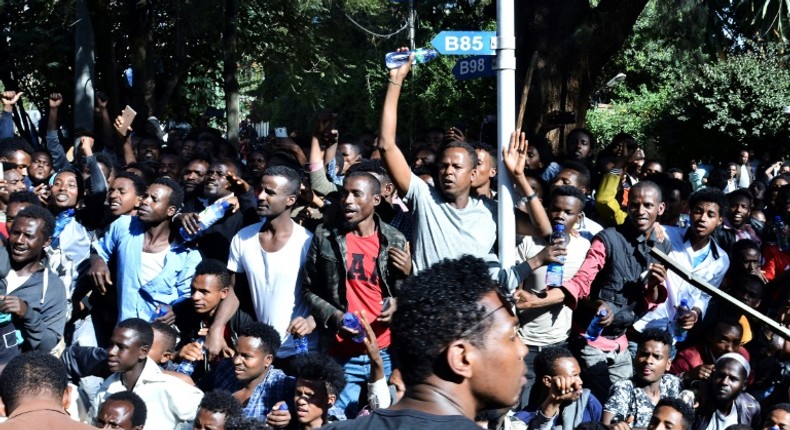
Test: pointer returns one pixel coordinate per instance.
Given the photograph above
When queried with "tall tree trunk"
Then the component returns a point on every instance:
(574, 42)
(142, 56)
(107, 77)
(178, 67)
(231, 80)
(83, 69)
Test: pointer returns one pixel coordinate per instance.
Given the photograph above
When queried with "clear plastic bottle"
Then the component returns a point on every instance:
(397, 59)
(302, 345)
(678, 331)
(351, 321)
(782, 241)
(213, 213)
(554, 271)
(594, 329)
(187, 367)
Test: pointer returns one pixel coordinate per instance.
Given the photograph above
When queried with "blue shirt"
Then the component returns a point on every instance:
(275, 387)
(124, 242)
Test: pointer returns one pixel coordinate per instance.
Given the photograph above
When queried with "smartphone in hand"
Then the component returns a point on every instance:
(127, 116)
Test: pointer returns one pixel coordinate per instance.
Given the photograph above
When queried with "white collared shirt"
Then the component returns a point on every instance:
(712, 270)
(171, 402)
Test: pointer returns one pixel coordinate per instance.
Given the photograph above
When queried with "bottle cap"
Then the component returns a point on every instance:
(349, 319)
(283, 407)
(559, 227)
(602, 313)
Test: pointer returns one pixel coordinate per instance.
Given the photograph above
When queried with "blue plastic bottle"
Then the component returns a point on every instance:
(554, 271)
(302, 345)
(351, 321)
(187, 367)
(213, 213)
(594, 329)
(397, 59)
(160, 312)
(677, 328)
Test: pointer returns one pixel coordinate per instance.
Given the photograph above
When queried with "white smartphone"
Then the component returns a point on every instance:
(127, 116)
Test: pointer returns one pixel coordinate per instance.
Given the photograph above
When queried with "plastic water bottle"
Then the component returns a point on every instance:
(677, 327)
(213, 213)
(397, 59)
(351, 321)
(554, 271)
(283, 407)
(160, 312)
(594, 329)
(187, 367)
(781, 239)
(302, 345)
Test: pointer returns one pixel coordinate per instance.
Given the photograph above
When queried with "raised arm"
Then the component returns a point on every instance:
(126, 137)
(515, 158)
(215, 341)
(59, 160)
(391, 155)
(321, 142)
(108, 140)
(7, 122)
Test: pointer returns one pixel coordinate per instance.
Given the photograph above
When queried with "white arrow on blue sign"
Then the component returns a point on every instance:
(465, 42)
(474, 67)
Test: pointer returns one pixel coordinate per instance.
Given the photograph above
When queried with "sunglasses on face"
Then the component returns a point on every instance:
(509, 303)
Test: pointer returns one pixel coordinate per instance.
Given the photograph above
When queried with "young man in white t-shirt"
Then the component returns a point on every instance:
(265, 263)
(544, 321)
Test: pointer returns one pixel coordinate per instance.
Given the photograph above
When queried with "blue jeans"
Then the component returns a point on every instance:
(357, 370)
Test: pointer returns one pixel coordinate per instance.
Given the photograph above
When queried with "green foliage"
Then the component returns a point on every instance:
(694, 100)
(657, 62)
(340, 67)
(733, 102)
(30, 29)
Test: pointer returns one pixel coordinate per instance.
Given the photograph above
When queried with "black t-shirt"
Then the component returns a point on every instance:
(406, 419)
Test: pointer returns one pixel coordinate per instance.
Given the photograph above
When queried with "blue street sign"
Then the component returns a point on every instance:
(465, 42)
(474, 67)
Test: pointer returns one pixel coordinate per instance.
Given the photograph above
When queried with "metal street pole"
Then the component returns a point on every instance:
(412, 18)
(506, 123)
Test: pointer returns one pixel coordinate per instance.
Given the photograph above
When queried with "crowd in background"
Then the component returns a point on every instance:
(162, 278)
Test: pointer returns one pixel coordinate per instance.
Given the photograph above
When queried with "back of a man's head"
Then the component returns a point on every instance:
(34, 375)
(437, 306)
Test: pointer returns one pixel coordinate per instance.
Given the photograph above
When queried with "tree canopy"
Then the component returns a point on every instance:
(295, 58)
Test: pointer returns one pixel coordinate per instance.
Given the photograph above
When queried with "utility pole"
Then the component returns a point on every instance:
(412, 19)
(506, 123)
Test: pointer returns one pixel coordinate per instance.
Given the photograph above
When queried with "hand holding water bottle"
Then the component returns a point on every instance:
(191, 352)
(398, 75)
(609, 317)
(164, 313)
(280, 416)
(686, 317)
(351, 328)
(301, 326)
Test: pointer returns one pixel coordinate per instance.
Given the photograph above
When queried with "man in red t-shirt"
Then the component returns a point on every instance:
(351, 268)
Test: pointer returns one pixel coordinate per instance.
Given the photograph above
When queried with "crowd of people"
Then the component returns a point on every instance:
(301, 283)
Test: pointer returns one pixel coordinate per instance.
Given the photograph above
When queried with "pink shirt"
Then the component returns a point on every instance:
(579, 288)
